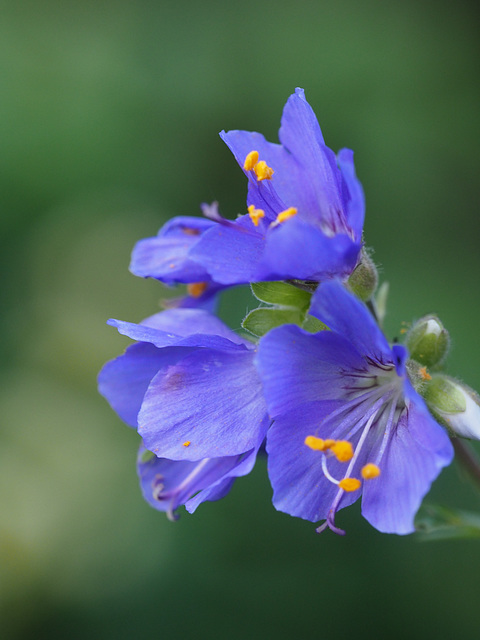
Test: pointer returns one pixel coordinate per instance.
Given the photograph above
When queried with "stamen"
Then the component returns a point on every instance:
(342, 450)
(350, 484)
(255, 214)
(370, 471)
(263, 171)
(250, 161)
(158, 487)
(285, 215)
(195, 289)
(314, 443)
(326, 472)
(187, 443)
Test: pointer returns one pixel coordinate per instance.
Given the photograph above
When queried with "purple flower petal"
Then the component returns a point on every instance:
(415, 454)
(124, 381)
(188, 322)
(166, 256)
(353, 195)
(160, 338)
(168, 484)
(297, 249)
(297, 367)
(230, 254)
(211, 400)
(346, 315)
(300, 486)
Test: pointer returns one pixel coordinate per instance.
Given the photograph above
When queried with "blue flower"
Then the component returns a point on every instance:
(166, 258)
(305, 214)
(347, 420)
(190, 387)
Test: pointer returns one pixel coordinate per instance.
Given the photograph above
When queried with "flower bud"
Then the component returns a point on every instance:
(428, 341)
(364, 280)
(455, 405)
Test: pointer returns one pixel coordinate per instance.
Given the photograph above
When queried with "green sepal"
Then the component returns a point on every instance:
(443, 395)
(313, 325)
(281, 293)
(260, 321)
(434, 522)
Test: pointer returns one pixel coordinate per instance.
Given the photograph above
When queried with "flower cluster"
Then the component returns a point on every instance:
(312, 379)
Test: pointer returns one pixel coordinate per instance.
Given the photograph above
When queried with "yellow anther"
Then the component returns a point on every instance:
(317, 444)
(255, 214)
(195, 289)
(403, 331)
(250, 161)
(263, 171)
(350, 484)
(285, 215)
(329, 443)
(424, 373)
(342, 450)
(370, 471)
(187, 443)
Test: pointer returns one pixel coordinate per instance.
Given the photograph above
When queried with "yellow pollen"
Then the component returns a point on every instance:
(263, 171)
(250, 161)
(285, 215)
(403, 330)
(424, 373)
(317, 444)
(370, 471)
(255, 214)
(350, 484)
(342, 450)
(187, 443)
(195, 289)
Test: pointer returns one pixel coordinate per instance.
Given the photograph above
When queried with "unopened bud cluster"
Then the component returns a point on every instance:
(453, 403)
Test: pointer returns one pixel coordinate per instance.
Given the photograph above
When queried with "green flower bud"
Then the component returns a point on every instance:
(428, 341)
(364, 280)
(455, 405)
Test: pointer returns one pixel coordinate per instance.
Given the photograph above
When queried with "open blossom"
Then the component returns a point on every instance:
(305, 214)
(190, 387)
(347, 421)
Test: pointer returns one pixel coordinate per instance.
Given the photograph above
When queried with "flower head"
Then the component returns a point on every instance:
(305, 214)
(190, 387)
(347, 421)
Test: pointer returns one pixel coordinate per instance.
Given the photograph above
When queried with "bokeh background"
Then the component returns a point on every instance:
(110, 112)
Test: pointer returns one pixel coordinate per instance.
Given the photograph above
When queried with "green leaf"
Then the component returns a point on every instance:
(260, 321)
(434, 522)
(281, 293)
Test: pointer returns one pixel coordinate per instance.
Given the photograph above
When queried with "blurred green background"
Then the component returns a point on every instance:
(109, 120)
